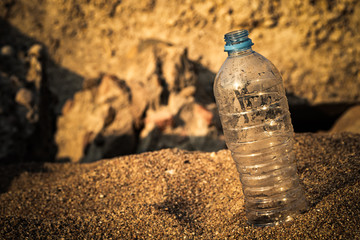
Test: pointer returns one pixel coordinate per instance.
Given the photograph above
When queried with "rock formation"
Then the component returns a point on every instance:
(155, 62)
(156, 107)
(97, 123)
(315, 44)
(26, 107)
(348, 122)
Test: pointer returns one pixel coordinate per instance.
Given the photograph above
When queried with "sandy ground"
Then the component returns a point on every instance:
(173, 194)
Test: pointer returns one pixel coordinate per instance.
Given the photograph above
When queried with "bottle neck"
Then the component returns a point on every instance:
(240, 53)
(238, 43)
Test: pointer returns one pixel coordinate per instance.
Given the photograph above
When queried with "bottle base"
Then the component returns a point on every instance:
(269, 220)
(263, 223)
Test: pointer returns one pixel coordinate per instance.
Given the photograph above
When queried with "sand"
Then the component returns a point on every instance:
(173, 194)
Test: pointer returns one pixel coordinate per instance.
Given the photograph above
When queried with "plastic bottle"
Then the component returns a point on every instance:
(256, 122)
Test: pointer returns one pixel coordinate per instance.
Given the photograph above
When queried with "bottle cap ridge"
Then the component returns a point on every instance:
(237, 40)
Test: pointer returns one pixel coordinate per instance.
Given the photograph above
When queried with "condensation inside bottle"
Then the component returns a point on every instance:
(257, 126)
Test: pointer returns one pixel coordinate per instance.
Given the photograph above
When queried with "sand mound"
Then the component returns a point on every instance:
(177, 194)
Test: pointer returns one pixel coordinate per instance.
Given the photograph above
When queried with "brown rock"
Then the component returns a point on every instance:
(97, 123)
(161, 119)
(159, 68)
(110, 89)
(24, 97)
(188, 127)
(67, 106)
(27, 107)
(171, 64)
(205, 115)
(9, 123)
(314, 44)
(36, 66)
(348, 121)
(7, 51)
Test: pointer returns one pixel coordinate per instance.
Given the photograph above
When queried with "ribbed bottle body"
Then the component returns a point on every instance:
(257, 126)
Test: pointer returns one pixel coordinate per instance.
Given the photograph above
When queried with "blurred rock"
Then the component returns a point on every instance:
(36, 69)
(7, 51)
(41, 145)
(190, 128)
(162, 118)
(27, 108)
(159, 68)
(12, 143)
(156, 105)
(168, 68)
(165, 93)
(97, 123)
(24, 97)
(348, 122)
(315, 44)
(25, 100)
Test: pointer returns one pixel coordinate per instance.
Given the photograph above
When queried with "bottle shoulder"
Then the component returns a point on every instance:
(253, 66)
(252, 59)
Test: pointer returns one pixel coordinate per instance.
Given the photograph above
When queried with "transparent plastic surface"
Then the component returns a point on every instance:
(256, 122)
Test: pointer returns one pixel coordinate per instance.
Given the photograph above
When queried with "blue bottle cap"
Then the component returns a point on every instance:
(237, 40)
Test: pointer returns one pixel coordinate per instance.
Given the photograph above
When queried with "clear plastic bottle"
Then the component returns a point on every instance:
(256, 122)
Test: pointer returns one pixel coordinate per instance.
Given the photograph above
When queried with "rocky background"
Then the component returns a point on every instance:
(86, 80)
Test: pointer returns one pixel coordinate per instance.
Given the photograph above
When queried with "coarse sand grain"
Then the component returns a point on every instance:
(173, 194)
